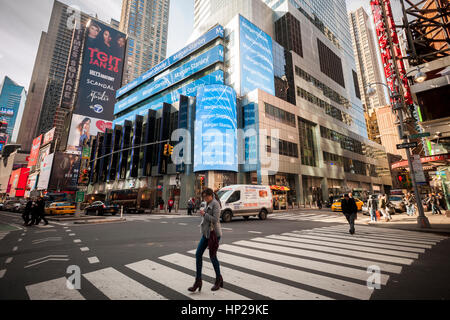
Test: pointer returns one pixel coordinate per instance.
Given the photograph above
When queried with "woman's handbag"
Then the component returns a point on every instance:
(213, 243)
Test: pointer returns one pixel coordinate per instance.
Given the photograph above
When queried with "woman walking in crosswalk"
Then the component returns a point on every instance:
(211, 235)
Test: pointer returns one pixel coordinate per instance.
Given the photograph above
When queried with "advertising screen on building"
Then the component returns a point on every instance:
(256, 59)
(48, 137)
(215, 138)
(43, 152)
(82, 129)
(6, 112)
(65, 172)
(34, 154)
(102, 70)
(46, 171)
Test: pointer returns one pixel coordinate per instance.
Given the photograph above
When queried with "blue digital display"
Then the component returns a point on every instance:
(200, 42)
(189, 90)
(215, 141)
(201, 62)
(256, 56)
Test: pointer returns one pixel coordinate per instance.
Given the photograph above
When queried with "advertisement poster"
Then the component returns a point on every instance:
(102, 69)
(46, 171)
(82, 129)
(34, 154)
(256, 59)
(6, 112)
(65, 172)
(48, 137)
(216, 129)
(43, 152)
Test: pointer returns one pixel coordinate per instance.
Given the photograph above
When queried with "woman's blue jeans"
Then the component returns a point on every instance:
(202, 246)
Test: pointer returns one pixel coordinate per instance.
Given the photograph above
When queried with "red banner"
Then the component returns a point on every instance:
(34, 155)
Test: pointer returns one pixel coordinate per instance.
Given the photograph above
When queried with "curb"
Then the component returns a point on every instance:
(100, 221)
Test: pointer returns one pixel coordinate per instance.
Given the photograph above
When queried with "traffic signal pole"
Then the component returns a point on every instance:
(422, 220)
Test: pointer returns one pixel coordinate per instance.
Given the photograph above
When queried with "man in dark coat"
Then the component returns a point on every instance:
(350, 210)
(40, 208)
(27, 212)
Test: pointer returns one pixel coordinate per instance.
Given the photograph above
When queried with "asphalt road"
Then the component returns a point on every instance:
(304, 255)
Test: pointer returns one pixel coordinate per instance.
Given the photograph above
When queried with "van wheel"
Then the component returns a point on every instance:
(263, 214)
(227, 216)
(246, 218)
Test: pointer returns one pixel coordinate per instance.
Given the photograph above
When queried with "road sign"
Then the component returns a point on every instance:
(407, 145)
(80, 197)
(420, 135)
(418, 170)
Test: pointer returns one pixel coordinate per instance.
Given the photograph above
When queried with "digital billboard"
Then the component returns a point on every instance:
(102, 70)
(34, 154)
(82, 128)
(186, 70)
(48, 137)
(46, 171)
(8, 112)
(215, 33)
(65, 172)
(256, 58)
(215, 138)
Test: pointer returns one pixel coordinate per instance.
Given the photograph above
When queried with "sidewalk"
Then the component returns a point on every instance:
(439, 223)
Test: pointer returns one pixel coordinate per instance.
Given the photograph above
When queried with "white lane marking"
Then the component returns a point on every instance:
(322, 256)
(342, 287)
(354, 241)
(23, 234)
(332, 269)
(85, 249)
(164, 222)
(117, 286)
(179, 281)
(15, 249)
(183, 224)
(351, 253)
(72, 235)
(228, 229)
(20, 240)
(255, 232)
(331, 244)
(2, 273)
(264, 287)
(93, 260)
(53, 290)
(68, 230)
(364, 240)
(77, 241)
(38, 241)
(47, 257)
(44, 261)
(9, 260)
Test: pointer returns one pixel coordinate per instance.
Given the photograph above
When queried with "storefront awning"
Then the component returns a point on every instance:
(279, 188)
(438, 160)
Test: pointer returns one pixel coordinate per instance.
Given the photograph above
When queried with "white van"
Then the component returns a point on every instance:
(245, 201)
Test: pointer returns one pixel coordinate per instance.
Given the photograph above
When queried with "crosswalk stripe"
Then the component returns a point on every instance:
(329, 284)
(2, 273)
(365, 240)
(348, 272)
(392, 236)
(117, 286)
(365, 237)
(396, 232)
(53, 290)
(331, 244)
(352, 253)
(376, 245)
(179, 281)
(320, 255)
(293, 215)
(277, 291)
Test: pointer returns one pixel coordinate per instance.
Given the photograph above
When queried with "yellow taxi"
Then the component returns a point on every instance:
(57, 208)
(336, 207)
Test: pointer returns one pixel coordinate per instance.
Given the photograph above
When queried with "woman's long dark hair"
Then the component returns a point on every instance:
(210, 192)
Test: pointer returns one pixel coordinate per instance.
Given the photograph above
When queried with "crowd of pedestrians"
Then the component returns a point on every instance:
(34, 212)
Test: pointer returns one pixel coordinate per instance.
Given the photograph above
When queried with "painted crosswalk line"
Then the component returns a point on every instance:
(179, 281)
(278, 291)
(53, 290)
(117, 286)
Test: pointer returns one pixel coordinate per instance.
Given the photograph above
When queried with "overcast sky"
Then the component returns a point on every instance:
(22, 21)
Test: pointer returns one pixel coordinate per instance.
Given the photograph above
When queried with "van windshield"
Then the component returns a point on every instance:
(224, 194)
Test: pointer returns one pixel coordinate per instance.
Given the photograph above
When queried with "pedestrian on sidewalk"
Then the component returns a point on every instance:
(190, 205)
(34, 214)
(40, 208)
(27, 212)
(372, 206)
(383, 207)
(350, 210)
(319, 204)
(170, 204)
(211, 234)
(441, 201)
(410, 204)
(435, 205)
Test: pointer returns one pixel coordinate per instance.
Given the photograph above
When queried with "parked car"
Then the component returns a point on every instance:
(398, 203)
(60, 208)
(100, 208)
(13, 205)
(336, 207)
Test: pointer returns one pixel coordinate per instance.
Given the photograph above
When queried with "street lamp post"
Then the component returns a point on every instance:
(422, 220)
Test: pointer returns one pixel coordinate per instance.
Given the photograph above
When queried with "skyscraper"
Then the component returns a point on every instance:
(12, 104)
(44, 93)
(146, 23)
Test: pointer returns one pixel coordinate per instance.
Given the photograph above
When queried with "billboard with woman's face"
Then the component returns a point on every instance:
(82, 129)
(102, 71)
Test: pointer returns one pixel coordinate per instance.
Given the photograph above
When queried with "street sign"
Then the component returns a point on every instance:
(418, 170)
(407, 145)
(80, 197)
(420, 135)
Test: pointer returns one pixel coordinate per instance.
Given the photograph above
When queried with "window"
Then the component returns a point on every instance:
(235, 197)
(307, 142)
(330, 64)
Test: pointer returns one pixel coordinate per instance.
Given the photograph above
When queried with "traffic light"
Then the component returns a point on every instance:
(202, 182)
(170, 150)
(166, 150)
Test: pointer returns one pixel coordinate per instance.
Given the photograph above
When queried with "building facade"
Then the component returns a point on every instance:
(282, 110)
(146, 24)
(12, 105)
